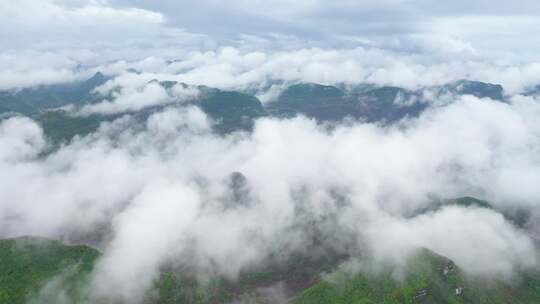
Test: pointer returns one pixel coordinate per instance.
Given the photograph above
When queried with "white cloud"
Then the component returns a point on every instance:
(102, 13)
(34, 68)
(232, 68)
(167, 183)
(20, 139)
(132, 92)
(501, 38)
(51, 13)
(498, 246)
(109, 32)
(143, 238)
(130, 99)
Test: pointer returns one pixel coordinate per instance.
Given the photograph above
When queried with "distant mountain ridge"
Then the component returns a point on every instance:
(238, 110)
(533, 91)
(369, 102)
(30, 101)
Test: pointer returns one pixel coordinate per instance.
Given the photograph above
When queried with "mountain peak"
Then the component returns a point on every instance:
(96, 80)
(478, 89)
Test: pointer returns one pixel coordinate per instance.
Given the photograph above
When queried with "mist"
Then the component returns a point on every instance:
(170, 191)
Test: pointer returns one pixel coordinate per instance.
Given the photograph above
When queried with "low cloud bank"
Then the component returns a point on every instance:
(168, 190)
(118, 97)
(234, 68)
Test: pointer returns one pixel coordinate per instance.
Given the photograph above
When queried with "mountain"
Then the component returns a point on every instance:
(330, 103)
(532, 91)
(235, 110)
(476, 88)
(388, 104)
(27, 264)
(367, 102)
(466, 201)
(313, 100)
(427, 278)
(4, 109)
(518, 217)
(231, 110)
(60, 126)
(33, 100)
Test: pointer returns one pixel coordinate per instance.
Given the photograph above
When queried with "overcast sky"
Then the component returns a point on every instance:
(505, 31)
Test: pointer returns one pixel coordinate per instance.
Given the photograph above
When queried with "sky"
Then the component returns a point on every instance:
(499, 30)
(231, 44)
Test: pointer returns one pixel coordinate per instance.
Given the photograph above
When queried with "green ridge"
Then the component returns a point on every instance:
(26, 264)
(428, 278)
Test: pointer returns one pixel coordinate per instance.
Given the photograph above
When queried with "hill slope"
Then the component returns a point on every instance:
(428, 278)
(27, 264)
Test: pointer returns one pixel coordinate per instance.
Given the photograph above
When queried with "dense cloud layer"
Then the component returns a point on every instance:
(231, 68)
(160, 192)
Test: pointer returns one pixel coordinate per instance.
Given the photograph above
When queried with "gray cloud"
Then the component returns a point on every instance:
(497, 30)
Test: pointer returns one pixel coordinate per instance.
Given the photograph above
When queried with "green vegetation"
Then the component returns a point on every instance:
(27, 264)
(468, 201)
(231, 110)
(59, 126)
(477, 88)
(31, 101)
(367, 102)
(465, 202)
(329, 103)
(175, 288)
(428, 278)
